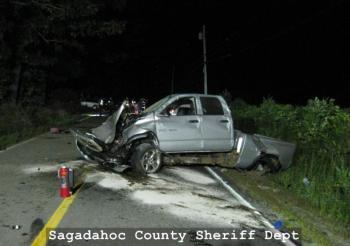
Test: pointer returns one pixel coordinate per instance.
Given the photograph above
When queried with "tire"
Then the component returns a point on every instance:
(146, 159)
(270, 164)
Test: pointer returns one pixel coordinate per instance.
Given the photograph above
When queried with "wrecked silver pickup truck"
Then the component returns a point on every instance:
(177, 130)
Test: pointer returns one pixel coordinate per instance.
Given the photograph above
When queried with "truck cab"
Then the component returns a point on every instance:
(194, 123)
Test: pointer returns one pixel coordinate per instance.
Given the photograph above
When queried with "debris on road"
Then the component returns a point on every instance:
(48, 167)
(54, 130)
(16, 227)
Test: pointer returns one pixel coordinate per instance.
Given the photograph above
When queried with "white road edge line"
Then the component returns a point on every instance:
(20, 143)
(244, 202)
(32, 139)
(85, 118)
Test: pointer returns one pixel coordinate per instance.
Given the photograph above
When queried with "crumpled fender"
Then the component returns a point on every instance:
(145, 135)
(143, 127)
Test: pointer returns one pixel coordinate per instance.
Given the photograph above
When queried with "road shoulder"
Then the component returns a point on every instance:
(278, 203)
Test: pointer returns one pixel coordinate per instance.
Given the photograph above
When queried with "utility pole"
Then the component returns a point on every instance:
(202, 37)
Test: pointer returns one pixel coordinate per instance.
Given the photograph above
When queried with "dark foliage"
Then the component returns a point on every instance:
(321, 131)
(45, 43)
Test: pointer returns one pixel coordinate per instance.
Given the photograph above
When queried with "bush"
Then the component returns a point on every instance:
(321, 131)
(18, 122)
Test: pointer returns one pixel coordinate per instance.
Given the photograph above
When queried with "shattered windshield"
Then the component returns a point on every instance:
(157, 104)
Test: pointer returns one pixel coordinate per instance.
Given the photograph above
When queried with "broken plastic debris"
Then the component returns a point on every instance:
(260, 168)
(278, 224)
(306, 181)
(16, 227)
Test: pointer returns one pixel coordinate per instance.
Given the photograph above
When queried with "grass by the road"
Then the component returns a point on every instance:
(320, 173)
(18, 123)
(280, 203)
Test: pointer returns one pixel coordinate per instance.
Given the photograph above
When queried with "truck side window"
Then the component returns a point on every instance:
(181, 107)
(211, 106)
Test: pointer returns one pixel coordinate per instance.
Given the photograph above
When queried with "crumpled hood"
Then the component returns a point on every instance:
(106, 132)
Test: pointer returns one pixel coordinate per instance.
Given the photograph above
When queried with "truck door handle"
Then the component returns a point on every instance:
(224, 121)
(193, 121)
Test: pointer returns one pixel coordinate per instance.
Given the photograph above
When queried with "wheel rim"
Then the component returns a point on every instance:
(150, 161)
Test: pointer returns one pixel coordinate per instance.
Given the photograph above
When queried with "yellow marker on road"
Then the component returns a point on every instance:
(42, 238)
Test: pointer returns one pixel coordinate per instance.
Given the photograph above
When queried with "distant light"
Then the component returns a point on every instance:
(96, 115)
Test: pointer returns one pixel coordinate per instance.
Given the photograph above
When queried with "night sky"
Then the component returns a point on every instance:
(288, 50)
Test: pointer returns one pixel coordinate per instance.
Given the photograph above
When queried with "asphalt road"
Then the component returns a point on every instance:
(177, 197)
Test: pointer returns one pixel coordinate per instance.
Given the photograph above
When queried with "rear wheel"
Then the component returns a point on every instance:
(146, 159)
(269, 164)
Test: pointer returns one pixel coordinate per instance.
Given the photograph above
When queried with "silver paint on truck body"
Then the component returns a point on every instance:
(195, 130)
(207, 133)
(142, 125)
(249, 153)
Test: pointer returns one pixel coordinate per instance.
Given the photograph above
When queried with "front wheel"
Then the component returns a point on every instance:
(146, 159)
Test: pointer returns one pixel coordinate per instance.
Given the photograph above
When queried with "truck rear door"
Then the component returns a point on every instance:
(217, 125)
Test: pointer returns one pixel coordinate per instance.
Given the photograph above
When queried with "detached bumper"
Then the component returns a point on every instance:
(87, 140)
